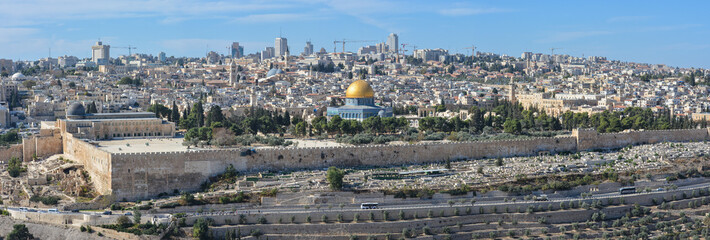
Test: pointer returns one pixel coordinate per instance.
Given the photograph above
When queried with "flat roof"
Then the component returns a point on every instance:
(108, 119)
(138, 145)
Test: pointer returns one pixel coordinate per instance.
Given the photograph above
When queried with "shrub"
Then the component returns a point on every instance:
(261, 220)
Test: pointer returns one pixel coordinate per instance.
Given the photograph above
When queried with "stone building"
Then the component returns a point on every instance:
(103, 126)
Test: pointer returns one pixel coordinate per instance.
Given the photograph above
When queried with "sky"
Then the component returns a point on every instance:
(659, 32)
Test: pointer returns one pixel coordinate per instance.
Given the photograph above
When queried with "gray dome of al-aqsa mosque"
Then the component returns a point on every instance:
(76, 109)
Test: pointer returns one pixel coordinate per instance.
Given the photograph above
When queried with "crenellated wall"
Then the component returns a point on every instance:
(144, 175)
(590, 139)
(141, 175)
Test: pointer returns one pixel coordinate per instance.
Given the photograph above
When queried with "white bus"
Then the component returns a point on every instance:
(369, 205)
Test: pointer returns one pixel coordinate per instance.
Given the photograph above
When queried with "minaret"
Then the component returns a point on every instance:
(512, 91)
(286, 58)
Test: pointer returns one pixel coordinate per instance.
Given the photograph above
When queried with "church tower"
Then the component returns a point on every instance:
(232, 73)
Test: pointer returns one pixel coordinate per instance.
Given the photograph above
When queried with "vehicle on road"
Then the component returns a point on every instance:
(369, 205)
(53, 210)
(627, 190)
(107, 213)
(128, 214)
(660, 190)
(542, 197)
(23, 209)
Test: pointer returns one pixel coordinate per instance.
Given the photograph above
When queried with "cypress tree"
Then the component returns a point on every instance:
(175, 113)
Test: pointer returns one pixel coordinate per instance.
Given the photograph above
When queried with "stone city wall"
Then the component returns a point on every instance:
(41, 146)
(6, 153)
(96, 162)
(591, 140)
(144, 175)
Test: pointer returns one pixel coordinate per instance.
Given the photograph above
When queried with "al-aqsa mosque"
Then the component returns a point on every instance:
(359, 103)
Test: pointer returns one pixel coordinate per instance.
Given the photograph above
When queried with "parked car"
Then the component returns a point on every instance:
(107, 213)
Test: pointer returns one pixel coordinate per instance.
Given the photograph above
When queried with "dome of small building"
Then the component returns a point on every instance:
(273, 72)
(18, 77)
(76, 109)
(359, 89)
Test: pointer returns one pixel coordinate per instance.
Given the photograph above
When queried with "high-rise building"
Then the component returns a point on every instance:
(161, 57)
(281, 46)
(367, 50)
(267, 53)
(100, 53)
(67, 61)
(308, 50)
(527, 55)
(430, 54)
(235, 50)
(393, 42)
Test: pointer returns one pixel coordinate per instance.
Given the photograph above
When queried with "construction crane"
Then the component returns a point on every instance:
(473, 50)
(552, 51)
(347, 41)
(129, 49)
(403, 50)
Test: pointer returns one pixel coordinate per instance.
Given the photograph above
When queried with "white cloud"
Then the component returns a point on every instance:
(28, 12)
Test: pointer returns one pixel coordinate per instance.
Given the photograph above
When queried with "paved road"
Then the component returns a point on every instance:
(393, 206)
(406, 206)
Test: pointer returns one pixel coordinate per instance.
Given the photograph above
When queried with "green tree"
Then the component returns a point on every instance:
(320, 124)
(160, 110)
(334, 124)
(335, 178)
(214, 115)
(200, 229)
(123, 221)
(29, 84)
(136, 216)
(14, 167)
(300, 128)
(20, 232)
(512, 126)
(174, 113)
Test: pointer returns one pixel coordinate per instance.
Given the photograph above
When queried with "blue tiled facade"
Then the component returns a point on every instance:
(359, 109)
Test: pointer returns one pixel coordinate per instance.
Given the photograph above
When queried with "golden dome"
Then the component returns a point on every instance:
(359, 89)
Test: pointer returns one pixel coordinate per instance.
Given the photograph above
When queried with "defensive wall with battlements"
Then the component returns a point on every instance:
(143, 175)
